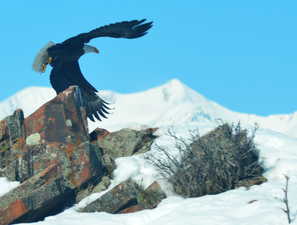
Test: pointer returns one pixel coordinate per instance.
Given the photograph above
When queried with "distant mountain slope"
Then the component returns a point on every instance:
(28, 99)
(171, 103)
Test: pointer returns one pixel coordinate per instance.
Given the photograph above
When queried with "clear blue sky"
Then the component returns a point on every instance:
(241, 54)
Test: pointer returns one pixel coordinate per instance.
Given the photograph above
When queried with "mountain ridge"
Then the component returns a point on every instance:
(170, 103)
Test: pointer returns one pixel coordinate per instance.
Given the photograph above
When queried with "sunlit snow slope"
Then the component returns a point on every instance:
(170, 104)
(176, 105)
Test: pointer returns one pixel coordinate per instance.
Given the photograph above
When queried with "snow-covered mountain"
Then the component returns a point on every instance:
(176, 105)
(170, 104)
(28, 99)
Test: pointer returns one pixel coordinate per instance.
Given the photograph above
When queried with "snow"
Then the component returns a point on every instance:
(176, 106)
(170, 104)
(28, 99)
(6, 185)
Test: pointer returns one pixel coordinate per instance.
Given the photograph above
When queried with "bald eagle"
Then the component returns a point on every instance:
(63, 58)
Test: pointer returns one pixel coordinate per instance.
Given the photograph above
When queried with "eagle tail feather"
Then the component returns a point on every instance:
(95, 106)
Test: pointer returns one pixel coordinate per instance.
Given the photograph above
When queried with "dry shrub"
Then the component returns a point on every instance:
(210, 164)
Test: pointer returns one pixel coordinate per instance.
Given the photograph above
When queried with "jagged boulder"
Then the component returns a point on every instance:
(127, 197)
(43, 194)
(57, 161)
(50, 154)
(122, 143)
(127, 142)
(93, 188)
(12, 135)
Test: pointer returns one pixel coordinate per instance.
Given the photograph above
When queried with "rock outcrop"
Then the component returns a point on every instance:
(125, 142)
(58, 163)
(127, 197)
(55, 158)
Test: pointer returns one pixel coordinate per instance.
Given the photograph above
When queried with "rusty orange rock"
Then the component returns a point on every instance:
(54, 157)
(51, 154)
(14, 211)
(132, 209)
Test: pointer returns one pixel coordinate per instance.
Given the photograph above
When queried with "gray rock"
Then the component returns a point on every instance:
(12, 133)
(122, 143)
(127, 197)
(93, 188)
(120, 197)
(103, 185)
(51, 159)
(127, 142)
(58, 163)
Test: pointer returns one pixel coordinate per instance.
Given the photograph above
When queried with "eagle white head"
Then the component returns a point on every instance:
(41, 58)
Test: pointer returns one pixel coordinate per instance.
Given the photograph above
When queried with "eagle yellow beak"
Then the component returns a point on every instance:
(43, 66)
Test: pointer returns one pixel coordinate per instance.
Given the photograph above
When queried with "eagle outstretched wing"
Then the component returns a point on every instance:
(63, 57)
(126, 29)
(73, 74)
(94, 105)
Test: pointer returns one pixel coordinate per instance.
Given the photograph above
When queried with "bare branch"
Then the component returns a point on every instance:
(285, 200)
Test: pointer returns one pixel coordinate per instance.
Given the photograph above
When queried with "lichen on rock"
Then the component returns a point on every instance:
(33, 139)
(56, 160)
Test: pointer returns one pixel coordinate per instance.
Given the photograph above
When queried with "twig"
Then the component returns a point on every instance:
(285, 200)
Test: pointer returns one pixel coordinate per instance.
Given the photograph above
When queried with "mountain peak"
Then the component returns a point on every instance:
(171, 103)
(174, 82)
(174, 90)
